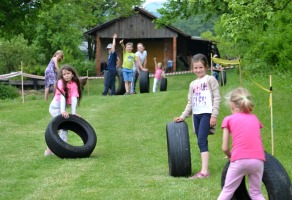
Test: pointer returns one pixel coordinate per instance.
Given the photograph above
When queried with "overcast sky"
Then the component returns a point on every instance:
(152, 1)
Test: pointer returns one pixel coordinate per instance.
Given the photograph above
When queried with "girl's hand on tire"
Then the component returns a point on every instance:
(65, 115)
(178, 119)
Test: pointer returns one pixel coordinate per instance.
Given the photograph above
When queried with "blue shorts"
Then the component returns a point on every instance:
(128, 74)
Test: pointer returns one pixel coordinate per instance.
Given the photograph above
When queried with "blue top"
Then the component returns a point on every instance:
(112, 61)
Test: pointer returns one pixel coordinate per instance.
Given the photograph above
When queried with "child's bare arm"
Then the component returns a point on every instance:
(155, 63)
(114, 41)
(122, 44)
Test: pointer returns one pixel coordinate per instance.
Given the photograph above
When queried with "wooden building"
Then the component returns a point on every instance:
(166, 43)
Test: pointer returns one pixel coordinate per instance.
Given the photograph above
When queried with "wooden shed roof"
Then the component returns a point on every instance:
(138, 25)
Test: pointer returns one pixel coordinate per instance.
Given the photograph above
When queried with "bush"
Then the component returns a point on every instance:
(83, 66)
(8, 92)
(36, 70)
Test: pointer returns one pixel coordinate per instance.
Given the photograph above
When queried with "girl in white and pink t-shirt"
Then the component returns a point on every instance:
(247, 154)
(158, 74)
(67, 92)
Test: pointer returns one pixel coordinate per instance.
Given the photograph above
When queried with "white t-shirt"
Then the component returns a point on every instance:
(142, 57)
(202, 100)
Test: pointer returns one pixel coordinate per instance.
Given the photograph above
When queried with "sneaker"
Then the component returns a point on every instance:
(48, 153)
(127, 93)
(200, 175)
(133, 92)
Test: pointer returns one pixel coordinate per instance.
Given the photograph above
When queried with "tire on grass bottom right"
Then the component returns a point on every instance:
(178, 148)
(275, 179)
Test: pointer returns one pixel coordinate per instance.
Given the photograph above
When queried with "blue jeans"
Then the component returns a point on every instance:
(110, 82)
(202, 129)
(216, 75)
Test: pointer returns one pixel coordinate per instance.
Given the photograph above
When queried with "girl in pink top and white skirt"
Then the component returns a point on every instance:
(158, 74)
(247, 155)
(67, 92)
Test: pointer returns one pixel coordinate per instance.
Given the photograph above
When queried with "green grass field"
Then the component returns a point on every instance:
(130, 159)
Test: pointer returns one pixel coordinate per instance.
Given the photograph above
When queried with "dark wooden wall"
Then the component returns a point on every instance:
(135, 26)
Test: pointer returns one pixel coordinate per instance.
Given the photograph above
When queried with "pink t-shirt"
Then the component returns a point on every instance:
(72, 91)
(158, 73)
(246, 136)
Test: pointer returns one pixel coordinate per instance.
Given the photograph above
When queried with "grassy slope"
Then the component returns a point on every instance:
(130, 159)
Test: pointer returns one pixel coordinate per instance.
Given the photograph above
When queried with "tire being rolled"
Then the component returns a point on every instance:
(144, 81)
(178, 148)
(163, 84)
(275, 179)
(78, 126)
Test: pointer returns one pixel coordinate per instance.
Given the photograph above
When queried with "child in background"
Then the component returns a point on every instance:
(51, 70)
(67, 92)
(247, 155)
(142, 54)
(110, 76)
(203, 104)
(216, 68)
(158, 74)
(129, 59)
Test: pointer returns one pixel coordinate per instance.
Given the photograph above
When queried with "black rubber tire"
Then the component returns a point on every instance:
(78, 126)
(178, 148)
(121, 83)
(163, 84)
(275, 179)
(223, 80)
(144, 81)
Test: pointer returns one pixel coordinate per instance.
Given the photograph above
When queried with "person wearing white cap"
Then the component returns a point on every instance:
(110, 76)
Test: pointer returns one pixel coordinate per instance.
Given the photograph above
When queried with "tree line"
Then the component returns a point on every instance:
(258, 31)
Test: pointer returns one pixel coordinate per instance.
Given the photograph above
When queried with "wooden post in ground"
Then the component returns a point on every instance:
(22, 91)
(271, 109)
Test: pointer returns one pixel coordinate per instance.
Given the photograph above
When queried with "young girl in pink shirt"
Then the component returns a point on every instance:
(247, 155)
(67, 92)
(158, 74)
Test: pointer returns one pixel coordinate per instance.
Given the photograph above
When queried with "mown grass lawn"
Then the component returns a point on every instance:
(130, 158)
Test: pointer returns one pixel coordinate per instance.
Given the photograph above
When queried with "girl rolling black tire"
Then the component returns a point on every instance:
(275, 179)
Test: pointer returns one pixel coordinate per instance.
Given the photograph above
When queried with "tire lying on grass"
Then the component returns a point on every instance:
(78, 126)
(163, 84)
(275, 179)
(144, 81)
(178, 148)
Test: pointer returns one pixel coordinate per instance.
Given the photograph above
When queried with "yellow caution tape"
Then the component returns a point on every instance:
(226, 62)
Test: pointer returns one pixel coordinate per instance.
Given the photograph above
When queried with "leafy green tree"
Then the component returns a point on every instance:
(15, 51)
(61, 25)
(19, 17)
(260, 29)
